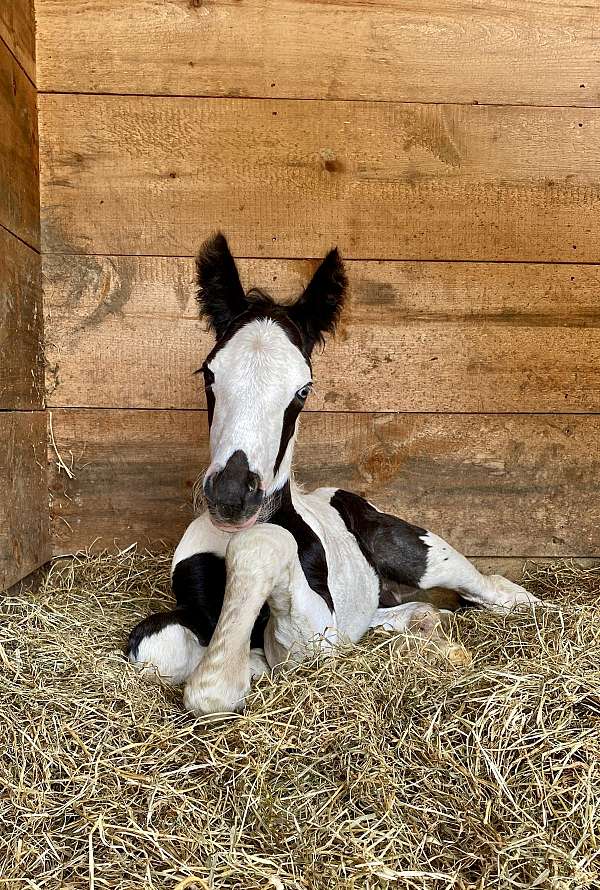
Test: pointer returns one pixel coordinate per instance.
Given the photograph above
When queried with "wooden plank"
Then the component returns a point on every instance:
(17, 30)
(21, 325)
(494, 485)
(501, 51)
(19, 170)
(415, 336)
(136, 175)
(24, 502)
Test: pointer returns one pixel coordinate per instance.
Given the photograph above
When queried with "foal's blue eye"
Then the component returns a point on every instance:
(304, 393)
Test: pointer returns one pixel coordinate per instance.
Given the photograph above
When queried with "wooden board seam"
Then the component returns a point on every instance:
(304, 99)
(3, 41)
(333, 412)
(24, 410)
(352, 259)
(22, 240)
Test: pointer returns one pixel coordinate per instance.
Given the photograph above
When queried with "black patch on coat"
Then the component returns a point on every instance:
(290, 417)
(391, 546)
(209, 379)
(199, 586)
(210, 406)
(311, 552)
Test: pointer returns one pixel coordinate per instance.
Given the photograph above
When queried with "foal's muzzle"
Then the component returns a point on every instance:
(234, 494)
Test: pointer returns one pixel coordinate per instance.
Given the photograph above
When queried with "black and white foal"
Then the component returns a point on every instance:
(268, 569)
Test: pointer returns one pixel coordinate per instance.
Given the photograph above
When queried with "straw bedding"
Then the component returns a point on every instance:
(379, 769)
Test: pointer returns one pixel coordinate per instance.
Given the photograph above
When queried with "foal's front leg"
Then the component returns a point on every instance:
(259, 564)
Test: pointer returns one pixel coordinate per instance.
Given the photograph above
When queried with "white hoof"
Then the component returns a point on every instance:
(258, 663)
(504, 595)
(170, 655)
(202, 701)
(209, 692)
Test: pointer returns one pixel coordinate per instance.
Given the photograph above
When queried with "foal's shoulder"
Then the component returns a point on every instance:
(396, 549)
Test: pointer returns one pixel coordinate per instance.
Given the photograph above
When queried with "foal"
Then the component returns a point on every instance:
(267, 568)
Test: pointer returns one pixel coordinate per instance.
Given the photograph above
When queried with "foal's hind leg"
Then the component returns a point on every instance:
(445, 567)
(171, 645)
(424, 624)
(406, 554)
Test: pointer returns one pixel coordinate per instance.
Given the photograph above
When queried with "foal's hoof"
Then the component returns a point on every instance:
(505, 595)
(457, 655)
(202, 702)
(427, 621)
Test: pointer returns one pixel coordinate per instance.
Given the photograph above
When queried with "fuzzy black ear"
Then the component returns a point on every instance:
(220, 293)
(317, 311)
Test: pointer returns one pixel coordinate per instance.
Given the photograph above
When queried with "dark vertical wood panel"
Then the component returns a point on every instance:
(17, 29)
(24, 501)
(21, 325)
(19, 169)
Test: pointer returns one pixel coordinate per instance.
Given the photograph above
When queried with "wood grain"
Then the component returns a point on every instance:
(528, 51)
(136, 175)
(24, 502)
(19, 169)
(124, 332)
(493, 485)
(17, 30)
(21, 325)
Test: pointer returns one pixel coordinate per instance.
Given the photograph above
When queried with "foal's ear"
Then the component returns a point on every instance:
(317, 311)
(220, 293)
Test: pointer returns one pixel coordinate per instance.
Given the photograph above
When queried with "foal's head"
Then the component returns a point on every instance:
(257, 378)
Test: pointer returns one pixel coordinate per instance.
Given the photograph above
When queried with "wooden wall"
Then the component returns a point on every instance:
(23, 488)
(450, 149)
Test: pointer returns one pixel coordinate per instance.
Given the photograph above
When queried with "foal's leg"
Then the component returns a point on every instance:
(260, 564)
(445, 567)
(406, 554)
(165, 645)
(171, 644)
(426, 624)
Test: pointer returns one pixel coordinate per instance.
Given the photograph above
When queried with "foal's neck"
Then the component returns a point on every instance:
(283, 496)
